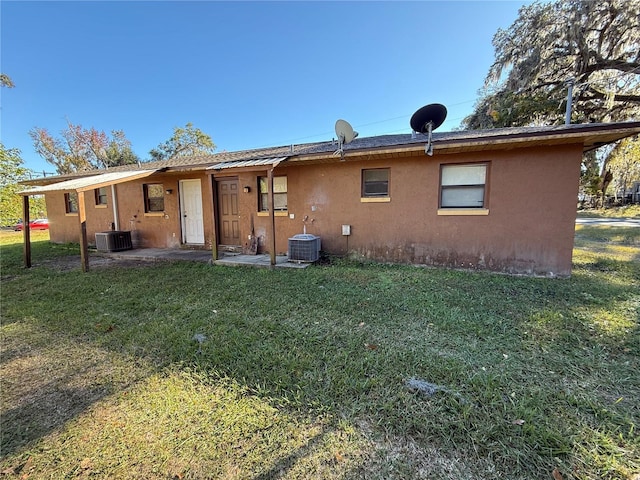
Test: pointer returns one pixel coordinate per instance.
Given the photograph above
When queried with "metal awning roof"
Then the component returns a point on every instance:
(89, 183)
(261, 162)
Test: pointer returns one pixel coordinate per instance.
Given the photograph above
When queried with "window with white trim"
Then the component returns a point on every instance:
(463, 186)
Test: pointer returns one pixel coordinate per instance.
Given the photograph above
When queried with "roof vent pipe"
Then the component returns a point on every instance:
(567, 117)
(292, 148)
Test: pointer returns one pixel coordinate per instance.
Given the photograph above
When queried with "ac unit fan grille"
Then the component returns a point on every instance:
(304, 248)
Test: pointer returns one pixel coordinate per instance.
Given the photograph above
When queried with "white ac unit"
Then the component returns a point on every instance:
(304, 247)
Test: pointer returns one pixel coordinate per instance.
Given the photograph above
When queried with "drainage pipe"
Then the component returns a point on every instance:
(114, 199)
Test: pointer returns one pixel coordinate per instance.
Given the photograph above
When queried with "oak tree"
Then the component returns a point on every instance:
(594, 45)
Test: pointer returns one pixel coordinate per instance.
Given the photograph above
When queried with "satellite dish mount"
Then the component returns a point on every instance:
(426, 120)
(345, 134)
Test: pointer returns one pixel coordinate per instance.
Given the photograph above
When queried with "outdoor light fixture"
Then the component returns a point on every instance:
(168, 191)
(246, 189)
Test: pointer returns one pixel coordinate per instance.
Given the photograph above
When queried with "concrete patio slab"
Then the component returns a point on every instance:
(263, 261)
(228, 259)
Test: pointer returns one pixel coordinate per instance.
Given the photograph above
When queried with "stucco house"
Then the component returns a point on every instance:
(502, 200)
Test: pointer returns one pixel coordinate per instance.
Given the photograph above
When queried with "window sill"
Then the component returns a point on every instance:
(154, 214)
(375, 199)
(463, 211)
(72, 214)
(276, 214)
(101, 206)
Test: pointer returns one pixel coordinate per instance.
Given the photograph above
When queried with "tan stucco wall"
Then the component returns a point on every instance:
(529, 229)
(162, 230)
(65, 228)
(531, 198)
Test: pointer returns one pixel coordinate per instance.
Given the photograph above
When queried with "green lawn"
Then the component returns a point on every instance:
(186, 370)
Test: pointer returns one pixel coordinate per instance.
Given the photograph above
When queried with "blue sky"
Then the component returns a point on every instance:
(249, 74)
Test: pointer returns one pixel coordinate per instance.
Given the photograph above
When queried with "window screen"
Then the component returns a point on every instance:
(153, 197)
(375, 182)
(463, 186)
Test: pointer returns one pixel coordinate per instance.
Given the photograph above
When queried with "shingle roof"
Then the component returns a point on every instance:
(590, 135)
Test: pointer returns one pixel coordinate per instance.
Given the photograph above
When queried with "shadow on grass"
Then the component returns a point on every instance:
(285, 464)
(49, 378)
(44, 413)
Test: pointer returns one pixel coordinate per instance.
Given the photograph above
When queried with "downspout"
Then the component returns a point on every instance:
(114, 200)
(567, 115)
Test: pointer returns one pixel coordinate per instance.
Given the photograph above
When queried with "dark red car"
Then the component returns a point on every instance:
(39, 224)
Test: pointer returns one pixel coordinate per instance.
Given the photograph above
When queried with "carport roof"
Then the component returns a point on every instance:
(89, 183)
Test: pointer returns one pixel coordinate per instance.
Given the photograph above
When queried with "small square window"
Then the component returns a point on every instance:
(71, 202)
(279, 194)
(375, 182)
(153, 197)
(101, 195)
(463, 186)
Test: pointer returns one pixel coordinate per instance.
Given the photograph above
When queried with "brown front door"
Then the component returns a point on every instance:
(228, 213)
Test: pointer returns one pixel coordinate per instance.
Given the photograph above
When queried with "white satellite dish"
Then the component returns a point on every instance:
(345, 134)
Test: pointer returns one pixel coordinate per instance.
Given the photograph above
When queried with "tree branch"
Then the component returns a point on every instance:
(595, 93)
(612, 64)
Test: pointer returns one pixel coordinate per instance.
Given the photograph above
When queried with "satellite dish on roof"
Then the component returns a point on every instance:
(426, 120)
(433, 114)
(345, 134)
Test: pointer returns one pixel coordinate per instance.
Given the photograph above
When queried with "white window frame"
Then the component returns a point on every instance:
(463, 186)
